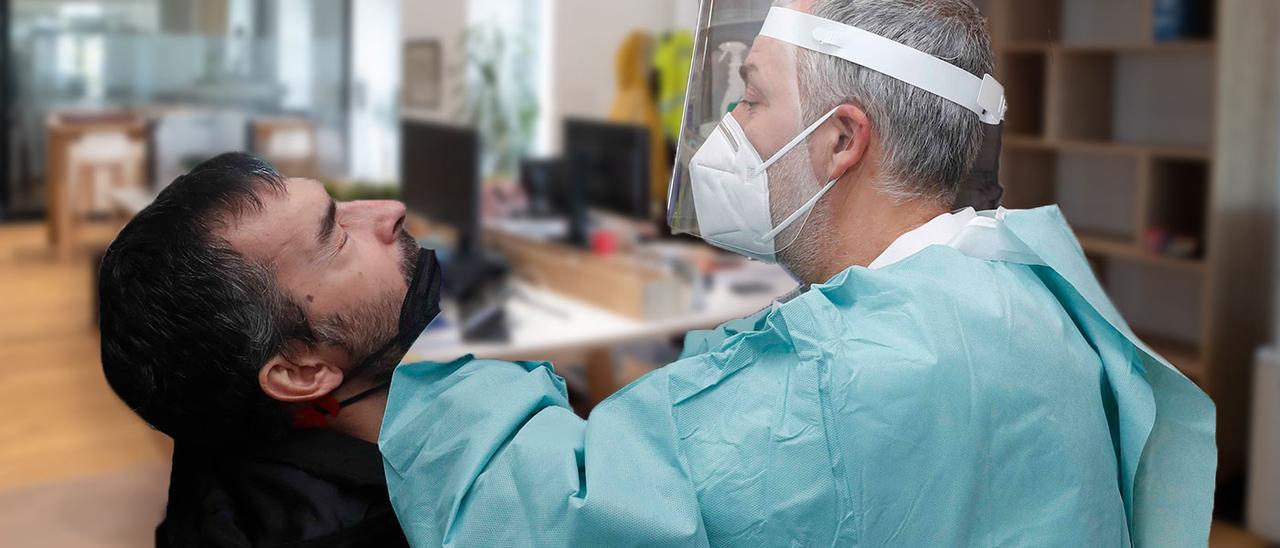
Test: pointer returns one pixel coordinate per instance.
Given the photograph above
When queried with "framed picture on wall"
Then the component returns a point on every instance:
(423, 82)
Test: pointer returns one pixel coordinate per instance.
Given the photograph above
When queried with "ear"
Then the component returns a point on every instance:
(304, 376)
(852, 140)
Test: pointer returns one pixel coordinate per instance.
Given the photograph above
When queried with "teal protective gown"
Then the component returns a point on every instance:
(981, 393)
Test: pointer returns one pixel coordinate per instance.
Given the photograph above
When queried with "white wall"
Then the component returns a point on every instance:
(585, 36)
(686, 14)
(580, 43)
(443, 21)
(294, 53)
(375, 69)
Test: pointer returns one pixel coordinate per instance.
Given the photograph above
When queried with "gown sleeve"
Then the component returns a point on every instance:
(488, 453)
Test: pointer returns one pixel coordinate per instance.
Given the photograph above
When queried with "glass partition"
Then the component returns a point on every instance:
(254, 58)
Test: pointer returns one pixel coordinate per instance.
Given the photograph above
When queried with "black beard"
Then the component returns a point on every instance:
(363, 330)
(409, 251)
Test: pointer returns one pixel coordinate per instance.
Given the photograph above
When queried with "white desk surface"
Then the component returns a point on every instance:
(543, 323)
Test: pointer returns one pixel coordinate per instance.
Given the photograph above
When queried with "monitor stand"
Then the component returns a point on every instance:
(475, 281)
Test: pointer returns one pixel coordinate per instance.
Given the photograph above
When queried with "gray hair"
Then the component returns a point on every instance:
(929, 143)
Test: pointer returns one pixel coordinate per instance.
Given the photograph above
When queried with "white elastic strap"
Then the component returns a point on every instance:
(795, 142)
(984, 96)
(803, 210)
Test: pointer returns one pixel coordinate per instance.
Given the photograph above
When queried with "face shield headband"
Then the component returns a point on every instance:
(983, 96)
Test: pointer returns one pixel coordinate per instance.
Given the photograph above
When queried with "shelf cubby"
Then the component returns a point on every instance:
(1123, 97)
(1096, 23)
(1177, 203)
(1165, 306)
(1103, 21)
(1027, 21)
(1081, 85)
(1023, 75)
(1099, 193)
(1035, 170)
(1164, 97)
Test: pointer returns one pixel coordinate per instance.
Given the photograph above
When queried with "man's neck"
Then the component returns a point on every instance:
(363, 419)
(872, 221)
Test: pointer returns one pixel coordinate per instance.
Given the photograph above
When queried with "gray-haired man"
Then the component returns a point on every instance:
(948, 378)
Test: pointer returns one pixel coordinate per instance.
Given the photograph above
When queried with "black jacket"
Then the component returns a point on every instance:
(315, 488)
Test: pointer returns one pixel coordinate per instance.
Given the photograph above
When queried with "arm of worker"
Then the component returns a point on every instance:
(488, 453)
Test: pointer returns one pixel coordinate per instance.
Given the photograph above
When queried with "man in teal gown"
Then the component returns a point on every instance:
(946, 378)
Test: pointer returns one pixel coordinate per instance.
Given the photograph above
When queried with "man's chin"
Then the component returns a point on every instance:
(793, 267)
(801, 259)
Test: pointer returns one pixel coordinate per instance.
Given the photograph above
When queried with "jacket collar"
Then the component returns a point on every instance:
(328, 454)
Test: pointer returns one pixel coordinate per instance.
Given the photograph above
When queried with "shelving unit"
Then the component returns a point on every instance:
(1115, 128)
(1119, 130)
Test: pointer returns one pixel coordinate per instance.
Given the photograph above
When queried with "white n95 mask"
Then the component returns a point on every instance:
(730, 184)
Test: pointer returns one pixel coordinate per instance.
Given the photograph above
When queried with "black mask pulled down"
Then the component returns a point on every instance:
(421, 305)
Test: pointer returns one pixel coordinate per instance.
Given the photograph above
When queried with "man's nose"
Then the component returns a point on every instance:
(383, 217)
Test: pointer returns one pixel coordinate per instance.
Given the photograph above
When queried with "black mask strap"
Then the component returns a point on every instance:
(421, 305)
(371, 391)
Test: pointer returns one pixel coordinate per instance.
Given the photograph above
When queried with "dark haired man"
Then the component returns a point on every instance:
(236, 311)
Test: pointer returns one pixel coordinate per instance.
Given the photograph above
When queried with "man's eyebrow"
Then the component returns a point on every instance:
(328, 223)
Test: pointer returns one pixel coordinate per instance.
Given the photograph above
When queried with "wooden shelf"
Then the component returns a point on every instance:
(1110, 147)
(1116, 248)
(1111, 95)
(1175, 47)
(1012, 140)
(1024, 47)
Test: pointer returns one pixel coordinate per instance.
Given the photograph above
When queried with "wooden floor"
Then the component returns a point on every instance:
(60, 418)
(76, 467)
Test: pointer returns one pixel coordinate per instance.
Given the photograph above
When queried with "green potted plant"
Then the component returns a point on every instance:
(500, 98)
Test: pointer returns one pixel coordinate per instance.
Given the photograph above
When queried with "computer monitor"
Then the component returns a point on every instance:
(609, 163)
(543, 181)
(440, 177)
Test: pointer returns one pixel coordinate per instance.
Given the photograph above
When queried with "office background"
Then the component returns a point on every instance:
(532, 140)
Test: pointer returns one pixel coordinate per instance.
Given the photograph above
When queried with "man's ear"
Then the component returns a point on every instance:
(304, 375)
(852, 140)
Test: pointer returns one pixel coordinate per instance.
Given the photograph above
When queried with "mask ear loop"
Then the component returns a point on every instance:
(809, 205)
(803, 210)
(794, 142)
(774, 159)
(316, 414)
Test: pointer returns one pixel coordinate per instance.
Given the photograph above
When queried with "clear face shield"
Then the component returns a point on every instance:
(754, 158)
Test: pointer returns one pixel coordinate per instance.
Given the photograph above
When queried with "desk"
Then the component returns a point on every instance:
(544, 324)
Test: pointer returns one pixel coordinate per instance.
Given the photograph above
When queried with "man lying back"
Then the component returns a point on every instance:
(236, 311)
